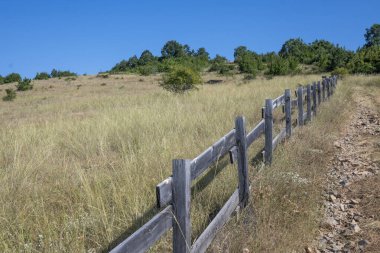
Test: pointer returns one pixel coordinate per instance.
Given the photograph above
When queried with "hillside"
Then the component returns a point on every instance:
(82, 157)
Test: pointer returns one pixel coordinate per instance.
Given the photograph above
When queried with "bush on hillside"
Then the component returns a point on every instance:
(372, 36)
(24, 85)
(358, 64)
(146, 57)
(366, 60)
(42, 76)
(147, 70)
(13, 77)
(341, 72)
(68, 79)
(103, 75)
(173, 49)
(58, 73)
(296, 48)
(1, 79)
(181, 79)
(249, 77)
(281, 66)
(11, 94)
(220, 64)
(248, 61)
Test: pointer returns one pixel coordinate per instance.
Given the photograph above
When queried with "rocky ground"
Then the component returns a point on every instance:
(352, 195)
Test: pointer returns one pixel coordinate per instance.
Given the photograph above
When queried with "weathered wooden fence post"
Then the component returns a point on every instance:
(288, 113)
(242, 160)
(319, 92)
(308, 102)
(300, 105)
(323, 89)
(314, 99)
(334, 82)
(181, 193)
(328, 84)
(335, 79)
(268, 122)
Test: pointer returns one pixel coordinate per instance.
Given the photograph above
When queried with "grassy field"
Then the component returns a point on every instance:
(79, 159)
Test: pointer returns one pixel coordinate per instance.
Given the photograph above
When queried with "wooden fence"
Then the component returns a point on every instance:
(174, 193)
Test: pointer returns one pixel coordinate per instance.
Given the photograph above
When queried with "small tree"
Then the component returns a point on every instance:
(341, 72)
(147, 70)
(278, 66)
(248, 61)
(220, 64)
(173, 49)
(181, 79)
(366, 60)
(146, 58)
(202, 54)
(372, 36)
(24, 85)
(297, 49)
(248, 64)
(133, 62)
(239, 52)
(13, 77)
(11, 94)
(42, 76)
(58, 73)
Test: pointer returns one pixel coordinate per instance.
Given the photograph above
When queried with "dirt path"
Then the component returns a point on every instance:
(352, 198)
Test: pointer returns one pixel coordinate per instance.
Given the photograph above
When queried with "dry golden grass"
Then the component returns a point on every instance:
(79, 160)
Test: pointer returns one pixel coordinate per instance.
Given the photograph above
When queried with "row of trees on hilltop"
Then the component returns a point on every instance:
(295, 54)
(294, 57)
(172, 54)
(15, 77)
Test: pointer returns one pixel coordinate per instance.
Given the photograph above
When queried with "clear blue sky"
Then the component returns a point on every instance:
(91, 36)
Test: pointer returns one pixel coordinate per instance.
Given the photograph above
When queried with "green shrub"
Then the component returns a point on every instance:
(42, 76)
(146, 57)
(372, 36)
(11, 94)
(173, 49)
(359, 64)
(281, 66)
(248, 65)
(341, 72)
(13, 77)
(181, 79)
(220, 64)
(59, 74)
(1, 79)
(248, 61)
(249, 77)
(103, 75)
(147, 70)
(24, 85)
(296, 48)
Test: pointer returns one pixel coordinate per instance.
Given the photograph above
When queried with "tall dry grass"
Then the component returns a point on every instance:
(79, 161)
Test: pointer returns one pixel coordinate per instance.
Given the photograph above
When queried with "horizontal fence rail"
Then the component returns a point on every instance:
(174, 193)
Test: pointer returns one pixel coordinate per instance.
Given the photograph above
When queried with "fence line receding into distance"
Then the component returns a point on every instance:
(174, 193)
